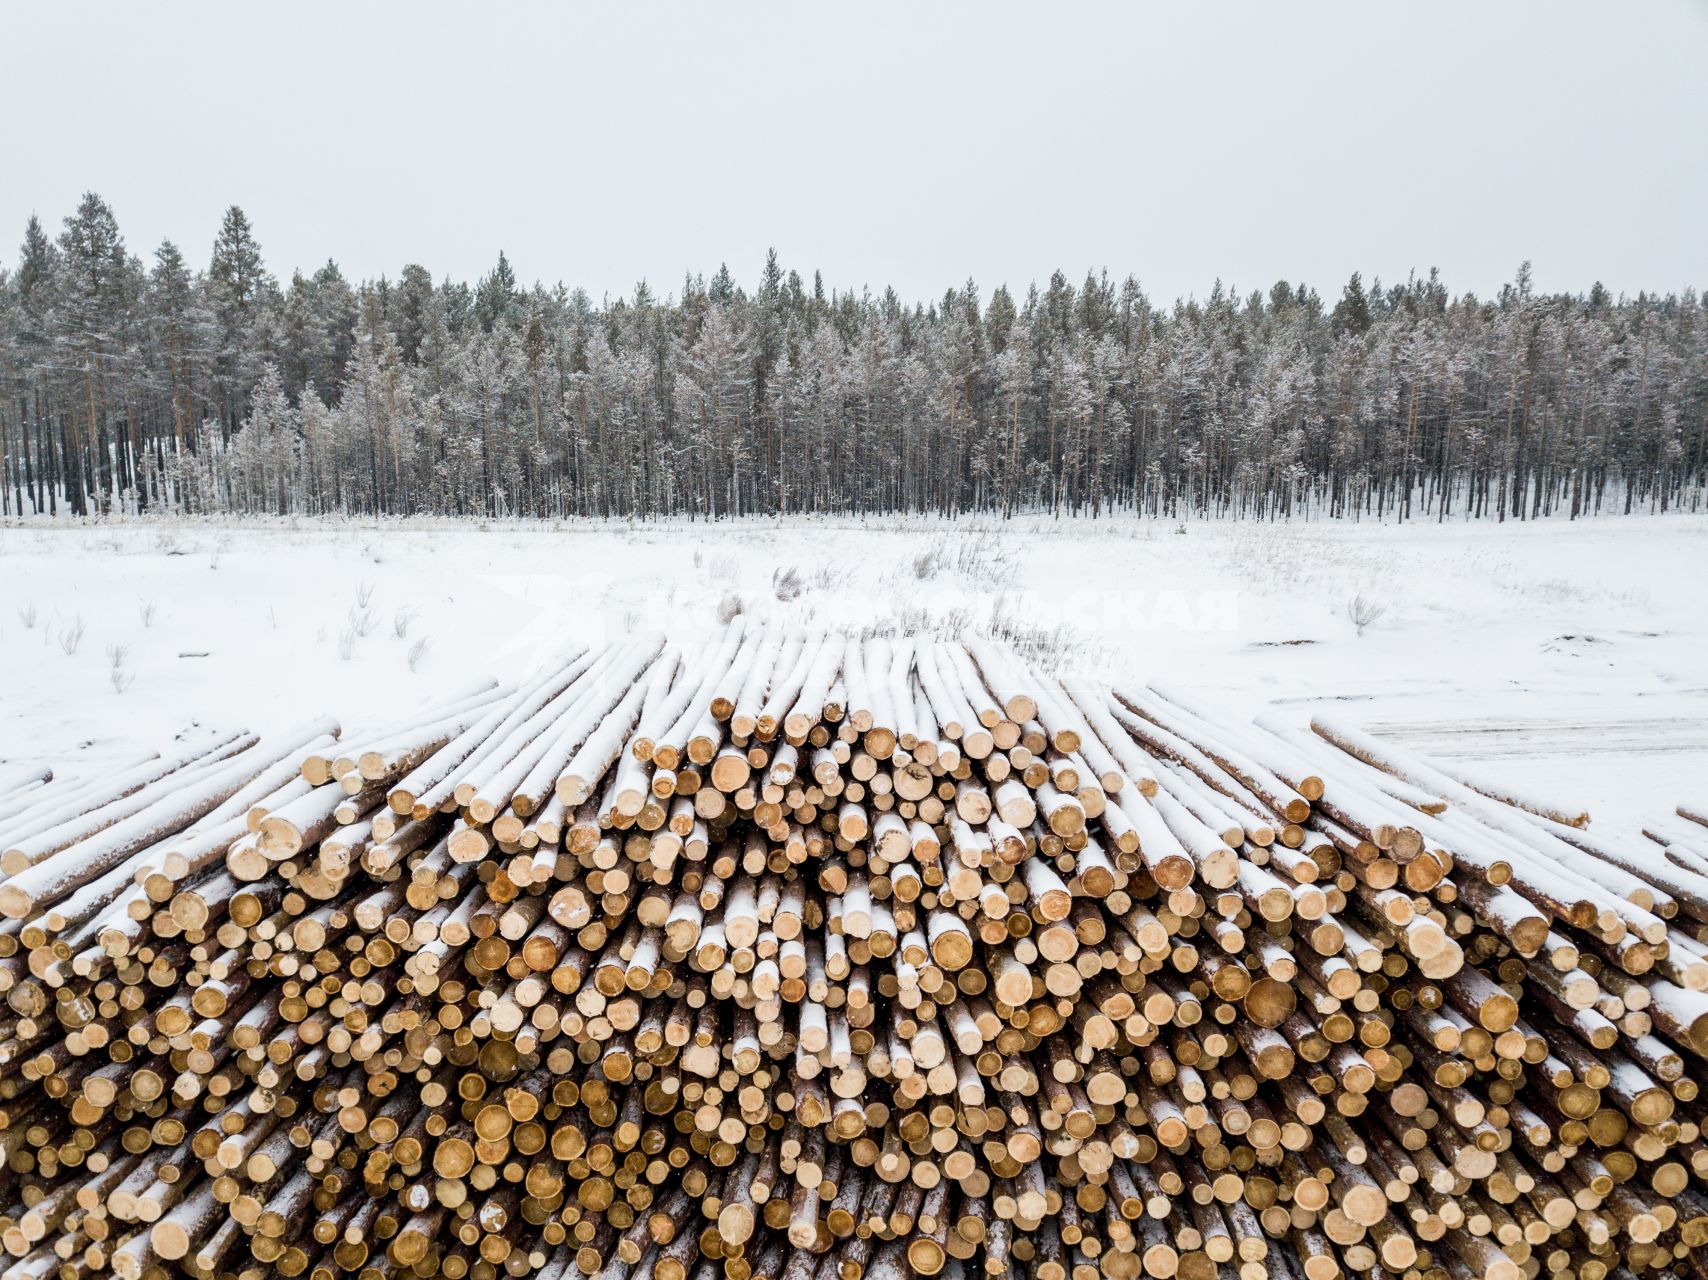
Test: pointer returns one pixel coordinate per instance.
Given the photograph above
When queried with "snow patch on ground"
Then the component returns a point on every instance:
(1570, 659)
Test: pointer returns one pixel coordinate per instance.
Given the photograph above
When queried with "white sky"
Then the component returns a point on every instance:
(912, 144)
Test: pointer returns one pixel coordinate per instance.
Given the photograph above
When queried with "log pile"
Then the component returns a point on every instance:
(795, 958)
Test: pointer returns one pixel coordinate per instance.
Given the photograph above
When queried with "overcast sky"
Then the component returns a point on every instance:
(914, 145)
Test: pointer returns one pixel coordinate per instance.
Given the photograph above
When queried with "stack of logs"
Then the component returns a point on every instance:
(796, 958)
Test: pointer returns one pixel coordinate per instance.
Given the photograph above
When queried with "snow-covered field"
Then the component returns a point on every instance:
(1568, 658)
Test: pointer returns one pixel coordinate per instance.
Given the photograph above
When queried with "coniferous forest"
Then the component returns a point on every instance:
(193, 380)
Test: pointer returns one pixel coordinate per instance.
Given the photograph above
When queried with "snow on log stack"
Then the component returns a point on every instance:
(789, 958)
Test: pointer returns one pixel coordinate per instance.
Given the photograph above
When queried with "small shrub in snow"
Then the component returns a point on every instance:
(347, 643)
(116, 673)
(929, 563)
(1051, 647)
(363, 620)
(145, 610)
(729, 608)
(1365, 611)
(986, 557)
(27, 614)
(723, 568)
(922, 620)
(71, 636)
(981, 555)
(364, 595)
(786, 583)
(418, 651)
(400, 622)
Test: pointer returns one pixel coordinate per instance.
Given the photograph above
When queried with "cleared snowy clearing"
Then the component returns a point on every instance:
(1571, 659)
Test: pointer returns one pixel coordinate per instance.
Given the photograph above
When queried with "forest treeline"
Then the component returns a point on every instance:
(165, 385)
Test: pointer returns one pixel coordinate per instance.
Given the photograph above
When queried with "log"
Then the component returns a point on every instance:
(35, 842)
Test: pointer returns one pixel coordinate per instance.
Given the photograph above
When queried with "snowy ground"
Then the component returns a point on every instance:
(1568, 658)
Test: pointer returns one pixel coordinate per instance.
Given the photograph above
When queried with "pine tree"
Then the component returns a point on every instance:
(495, 296)
(410, 302)
(722, 288)
(238, 291)
(1352, 312)
(94, 297)
(172, 306)
(36, 263)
